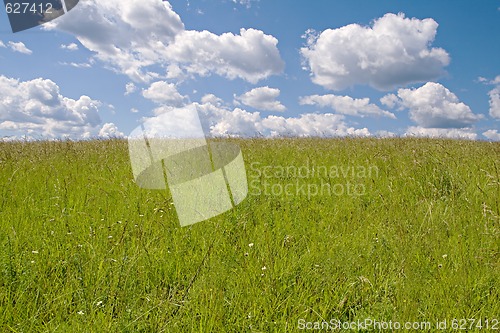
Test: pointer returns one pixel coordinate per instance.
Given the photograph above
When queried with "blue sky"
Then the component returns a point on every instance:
(332, 68)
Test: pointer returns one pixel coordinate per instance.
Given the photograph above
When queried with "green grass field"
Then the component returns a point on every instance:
(389, 229)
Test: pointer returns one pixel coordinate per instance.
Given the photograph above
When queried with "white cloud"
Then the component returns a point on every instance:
(130, 88)
(434, 106)
(220, 120)
(263, 98)
(19, 47)
(88, 64)
(448, 133)
(493, 94)
(134, 110)
(2, 44)
(174, 72)
(492, 135)
(37, 108)
(495, 102)
(346, 105)
(246, 3)
(312, 124)
(212, 99)
(484, 80)
(237, 122)
(109, 130)
(69, 47)
(251, 55)
(389, 100)
(385, 134)
(393, 52)
(129, 39)
(145, 35)
(165, 93)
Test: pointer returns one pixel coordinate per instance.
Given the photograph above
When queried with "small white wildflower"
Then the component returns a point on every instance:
(99, 304)
(445, 256)
(110, 236)
(246, 254)
(250, 245)
(32, 261)
(34, 252)
(264, 268)
(81, 312)
(287, 240)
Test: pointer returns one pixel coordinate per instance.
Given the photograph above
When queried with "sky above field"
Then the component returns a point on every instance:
(257, 67)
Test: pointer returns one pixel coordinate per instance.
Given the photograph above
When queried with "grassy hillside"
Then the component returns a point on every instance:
(392, 230)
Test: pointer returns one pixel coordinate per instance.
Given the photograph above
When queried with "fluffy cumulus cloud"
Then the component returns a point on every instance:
(312, 124)
(433, 106)
(212, 99)
(130, 88)
(494, 95)
(20, 47)
(346, 105)
(164, 93)
(36, 108)
(147, 39)
(237, 122)
(263, 98)
(251, 55)
(385, 134)
(109, 130)
(495, 102)
(2, 44)
(492, 135)
(393, 52)
(69, 47)
(219, 119)
(447, 133)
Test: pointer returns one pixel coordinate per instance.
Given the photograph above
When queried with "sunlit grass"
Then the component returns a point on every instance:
(83, 249)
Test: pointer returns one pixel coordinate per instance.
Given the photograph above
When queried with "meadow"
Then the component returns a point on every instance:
(332, 230)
